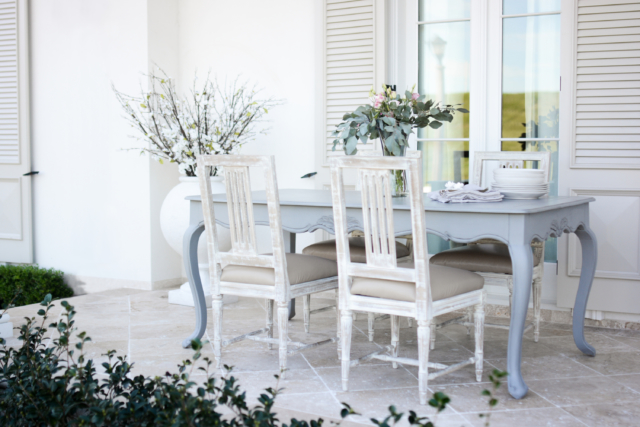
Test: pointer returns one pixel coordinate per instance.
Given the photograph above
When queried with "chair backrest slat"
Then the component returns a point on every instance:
(378, 223)
(241, 218)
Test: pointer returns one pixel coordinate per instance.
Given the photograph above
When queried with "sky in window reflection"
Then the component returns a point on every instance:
(444, 73)
(431, 10)
(531, 77)
(519, 7)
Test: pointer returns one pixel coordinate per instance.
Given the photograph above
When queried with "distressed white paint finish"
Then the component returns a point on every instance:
(382, 264)
(244, 251)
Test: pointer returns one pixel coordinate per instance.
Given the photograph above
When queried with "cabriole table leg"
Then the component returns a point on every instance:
(589, 260)
(190, 251)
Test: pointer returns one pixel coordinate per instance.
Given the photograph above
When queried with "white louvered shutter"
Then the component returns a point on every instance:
(607, 126)
(9, 142)
(353, 59)
(16, 231)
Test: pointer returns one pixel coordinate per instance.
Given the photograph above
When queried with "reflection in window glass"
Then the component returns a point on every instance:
(531, 77)
(432, 10)
(444, 161)
(443, 73)
(520, 7)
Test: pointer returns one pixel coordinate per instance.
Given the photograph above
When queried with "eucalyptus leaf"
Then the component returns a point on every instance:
(435, 124)
(351, 145)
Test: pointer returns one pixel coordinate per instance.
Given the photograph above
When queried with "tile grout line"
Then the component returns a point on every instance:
(556, 405)
(331, 392)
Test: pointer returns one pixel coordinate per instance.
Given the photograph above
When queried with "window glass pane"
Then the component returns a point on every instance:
(444, 161)
(519, 7)
(531, 77)
(443, 73)
(431, 10)
(550, 250)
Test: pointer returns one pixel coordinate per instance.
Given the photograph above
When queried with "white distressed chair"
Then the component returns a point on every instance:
(490, 258)
(381, 285)
(277, 277)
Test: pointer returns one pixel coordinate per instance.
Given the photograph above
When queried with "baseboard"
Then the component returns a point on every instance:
(88, 285)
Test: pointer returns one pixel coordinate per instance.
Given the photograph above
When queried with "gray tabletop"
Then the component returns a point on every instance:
(322, 198)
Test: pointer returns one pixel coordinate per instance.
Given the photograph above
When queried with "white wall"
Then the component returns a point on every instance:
(96, 207)
(93, 207)
(273, 44)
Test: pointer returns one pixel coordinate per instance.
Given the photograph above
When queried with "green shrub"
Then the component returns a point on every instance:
(46, 383)
(27, 284)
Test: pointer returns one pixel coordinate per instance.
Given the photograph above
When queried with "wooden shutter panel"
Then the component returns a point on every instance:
(607, 111)
(353, 59)
(9, 142)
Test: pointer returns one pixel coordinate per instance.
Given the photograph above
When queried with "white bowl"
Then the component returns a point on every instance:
(517, 172)
(524, 180)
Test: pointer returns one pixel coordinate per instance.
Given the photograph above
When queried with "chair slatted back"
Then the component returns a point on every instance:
(379, 237)
(510, 159)
(377, 212)
(241, 219)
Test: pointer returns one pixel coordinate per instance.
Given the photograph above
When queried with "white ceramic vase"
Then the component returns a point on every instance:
(174, 221)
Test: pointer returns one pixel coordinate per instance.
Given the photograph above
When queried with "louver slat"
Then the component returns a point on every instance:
(607, 125)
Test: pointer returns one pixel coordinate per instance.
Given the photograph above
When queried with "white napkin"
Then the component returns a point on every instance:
(457, 193)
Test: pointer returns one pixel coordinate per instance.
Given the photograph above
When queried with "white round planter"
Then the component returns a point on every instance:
(174, 221)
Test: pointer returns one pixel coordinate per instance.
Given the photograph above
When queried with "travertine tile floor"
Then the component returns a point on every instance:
(566, 387)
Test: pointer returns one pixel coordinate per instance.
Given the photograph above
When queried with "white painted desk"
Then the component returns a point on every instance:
(514, 222)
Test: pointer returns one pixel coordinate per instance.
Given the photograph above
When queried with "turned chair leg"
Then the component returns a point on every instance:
(537, 296)
(395, 338)
(346, 321)
(424, 340)
(216, 305)
(269, 321)
(307, 311)
(469, 320)
(339, 332)
(479, 326)
(283, 329)
(371, 319)
(433, 336)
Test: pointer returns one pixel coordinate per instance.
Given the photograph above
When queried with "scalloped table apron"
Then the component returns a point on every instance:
(515, 222)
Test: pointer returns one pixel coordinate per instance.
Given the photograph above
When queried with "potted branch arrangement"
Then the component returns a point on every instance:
(391, 120)
(211, 119)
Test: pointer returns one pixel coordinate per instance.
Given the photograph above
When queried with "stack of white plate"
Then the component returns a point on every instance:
(520, 183)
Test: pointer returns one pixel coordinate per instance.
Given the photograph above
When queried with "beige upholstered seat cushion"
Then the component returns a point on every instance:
(300, 268)
(357, 249)
(486, 258)
(445, 283)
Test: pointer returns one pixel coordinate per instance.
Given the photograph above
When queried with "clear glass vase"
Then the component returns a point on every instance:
(398, 177)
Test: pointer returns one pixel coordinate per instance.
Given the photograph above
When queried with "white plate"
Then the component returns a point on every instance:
(513, 180)
(522, 195)
(521, 187)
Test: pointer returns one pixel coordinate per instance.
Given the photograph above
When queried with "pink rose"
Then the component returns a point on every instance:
(415, 95)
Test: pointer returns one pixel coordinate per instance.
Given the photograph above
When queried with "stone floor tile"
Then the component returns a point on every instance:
(459, 333)
(322, 404)
(468, 398)
(259, 359)
(286, 415)
(603, 344)
(550, 417)
(630, 341)
(445, 351)
(630, 380)
(375, 403)
(607, 414)
(178, 330)
(498, 349)
(161, 364)
(465, 375)
(580, 391)
(612, 363)
(152, 347)
(368, 377)
(98, 349)
(296, 381)
(548, 367)
(327, 355)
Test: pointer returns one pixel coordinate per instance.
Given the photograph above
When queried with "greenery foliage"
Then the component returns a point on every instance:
(392, 119)
(50, 383)
(27, 284)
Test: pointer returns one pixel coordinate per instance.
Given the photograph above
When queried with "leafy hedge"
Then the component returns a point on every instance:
(27, 284)
(46, 383)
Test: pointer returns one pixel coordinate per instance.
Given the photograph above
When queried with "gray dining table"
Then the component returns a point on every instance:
(515, 222)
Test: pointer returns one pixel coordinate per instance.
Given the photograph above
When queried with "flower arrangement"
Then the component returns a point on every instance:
(214, 119)
(392, 119)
